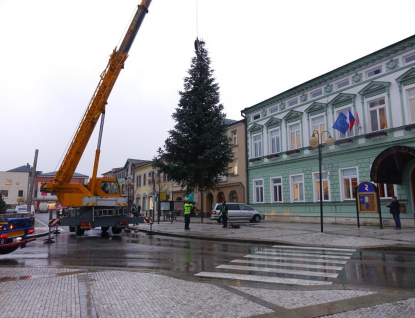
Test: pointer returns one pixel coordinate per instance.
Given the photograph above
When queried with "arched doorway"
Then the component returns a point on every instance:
(220, 197)
(389, 165)
(233, 196)
(209, 201)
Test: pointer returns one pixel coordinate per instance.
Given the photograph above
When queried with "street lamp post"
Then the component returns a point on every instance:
(315, 141)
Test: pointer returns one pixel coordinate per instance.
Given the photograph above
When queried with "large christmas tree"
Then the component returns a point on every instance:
(197, 151)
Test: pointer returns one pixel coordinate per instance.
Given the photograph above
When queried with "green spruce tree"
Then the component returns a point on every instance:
(197, 151)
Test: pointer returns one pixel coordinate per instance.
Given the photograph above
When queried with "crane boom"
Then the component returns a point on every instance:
(99, 99)
(70, 194)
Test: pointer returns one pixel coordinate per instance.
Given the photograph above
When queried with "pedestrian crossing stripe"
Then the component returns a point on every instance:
(306, 255)
(263, 279)
(279, 271)
(314, 260)
(315, 248)
(282, 260)
(310, 252)
(294, 265)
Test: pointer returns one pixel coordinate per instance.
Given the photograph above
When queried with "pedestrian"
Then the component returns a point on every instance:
(395, 210)
(224, 211)
(187, 209)
(134, 210)
(138, 210)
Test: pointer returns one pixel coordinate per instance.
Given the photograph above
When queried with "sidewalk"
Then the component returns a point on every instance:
(304, 234)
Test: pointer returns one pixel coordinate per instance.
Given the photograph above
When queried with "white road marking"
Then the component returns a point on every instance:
(306, 255)
(312, 252)
(279, 271)
(316, 260)
(264, 279)
(295, 265)
(314, 248)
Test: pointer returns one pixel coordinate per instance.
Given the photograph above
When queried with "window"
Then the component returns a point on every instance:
(273, 110)
(326, 186)
(259, 191)
(276, 190)
(257, 145)
(411, 103)
(374, 72)
(342, 83)
(234, 138)
(295, 136)
(274, 138)
(386, 191)
(8, 182)
(4, 194)
(349, 181)
(316, 93)
(256, 116)
(20, 193)
(297, 188)
(144, 179)
(408, 59)
(293, 102)
(139, 181)
(318, 123)
(235, 167)
(150, 177)
(377, 112)
(349, 133)
(165, 177)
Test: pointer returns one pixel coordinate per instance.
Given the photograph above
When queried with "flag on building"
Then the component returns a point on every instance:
(341, 123)
(351, 120)
(357, 120)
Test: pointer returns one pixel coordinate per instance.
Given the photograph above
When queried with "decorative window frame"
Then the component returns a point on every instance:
(274, 109)
(373, 69)
(291, 118)
(340, 102)
(406, 56)
(315, 177)
(292, 188)
(254, 191)
(271, 189)
(375, 88)
(272, 124)
(342, 199)
(254, 130)
(295, 100)
(320, 90)
(341, 82)
(367, 110)
(406, 79)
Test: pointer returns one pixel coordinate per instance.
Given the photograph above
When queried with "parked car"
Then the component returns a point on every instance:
(237, 211)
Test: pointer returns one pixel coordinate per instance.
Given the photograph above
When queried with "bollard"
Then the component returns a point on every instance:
(49, 239)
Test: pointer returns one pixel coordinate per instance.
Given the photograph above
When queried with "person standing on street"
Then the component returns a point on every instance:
(187, 209)
(224, 212)
(394, 207)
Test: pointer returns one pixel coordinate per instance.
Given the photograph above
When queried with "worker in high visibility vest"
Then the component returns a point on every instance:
(187, 209)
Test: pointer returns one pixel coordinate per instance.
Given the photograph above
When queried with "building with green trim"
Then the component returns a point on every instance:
(283, 170)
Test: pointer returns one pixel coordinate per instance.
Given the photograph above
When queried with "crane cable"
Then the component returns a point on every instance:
(197, 19)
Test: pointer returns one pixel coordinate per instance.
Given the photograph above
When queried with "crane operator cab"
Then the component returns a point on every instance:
(109, 187)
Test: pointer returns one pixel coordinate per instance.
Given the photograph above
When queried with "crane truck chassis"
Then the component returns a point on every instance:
(99, 203)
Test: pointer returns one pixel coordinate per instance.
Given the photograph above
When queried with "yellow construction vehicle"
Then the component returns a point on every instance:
(98, 203)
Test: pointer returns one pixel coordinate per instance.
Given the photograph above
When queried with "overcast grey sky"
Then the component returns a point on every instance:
(53, 51)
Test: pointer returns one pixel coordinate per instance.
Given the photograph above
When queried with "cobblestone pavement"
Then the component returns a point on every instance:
(63, 292)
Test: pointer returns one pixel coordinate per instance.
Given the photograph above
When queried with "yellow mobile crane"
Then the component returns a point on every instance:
(98, 203)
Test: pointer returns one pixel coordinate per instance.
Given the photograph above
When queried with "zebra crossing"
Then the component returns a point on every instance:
(290, 265)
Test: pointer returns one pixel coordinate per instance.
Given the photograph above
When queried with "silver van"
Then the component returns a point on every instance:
(237, 211)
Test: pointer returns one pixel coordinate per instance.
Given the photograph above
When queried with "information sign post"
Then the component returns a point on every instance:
(367, 201)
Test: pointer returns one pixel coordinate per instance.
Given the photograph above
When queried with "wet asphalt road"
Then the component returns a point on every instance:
(388, 269)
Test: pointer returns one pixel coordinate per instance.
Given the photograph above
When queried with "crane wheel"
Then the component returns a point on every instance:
(116, 230)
